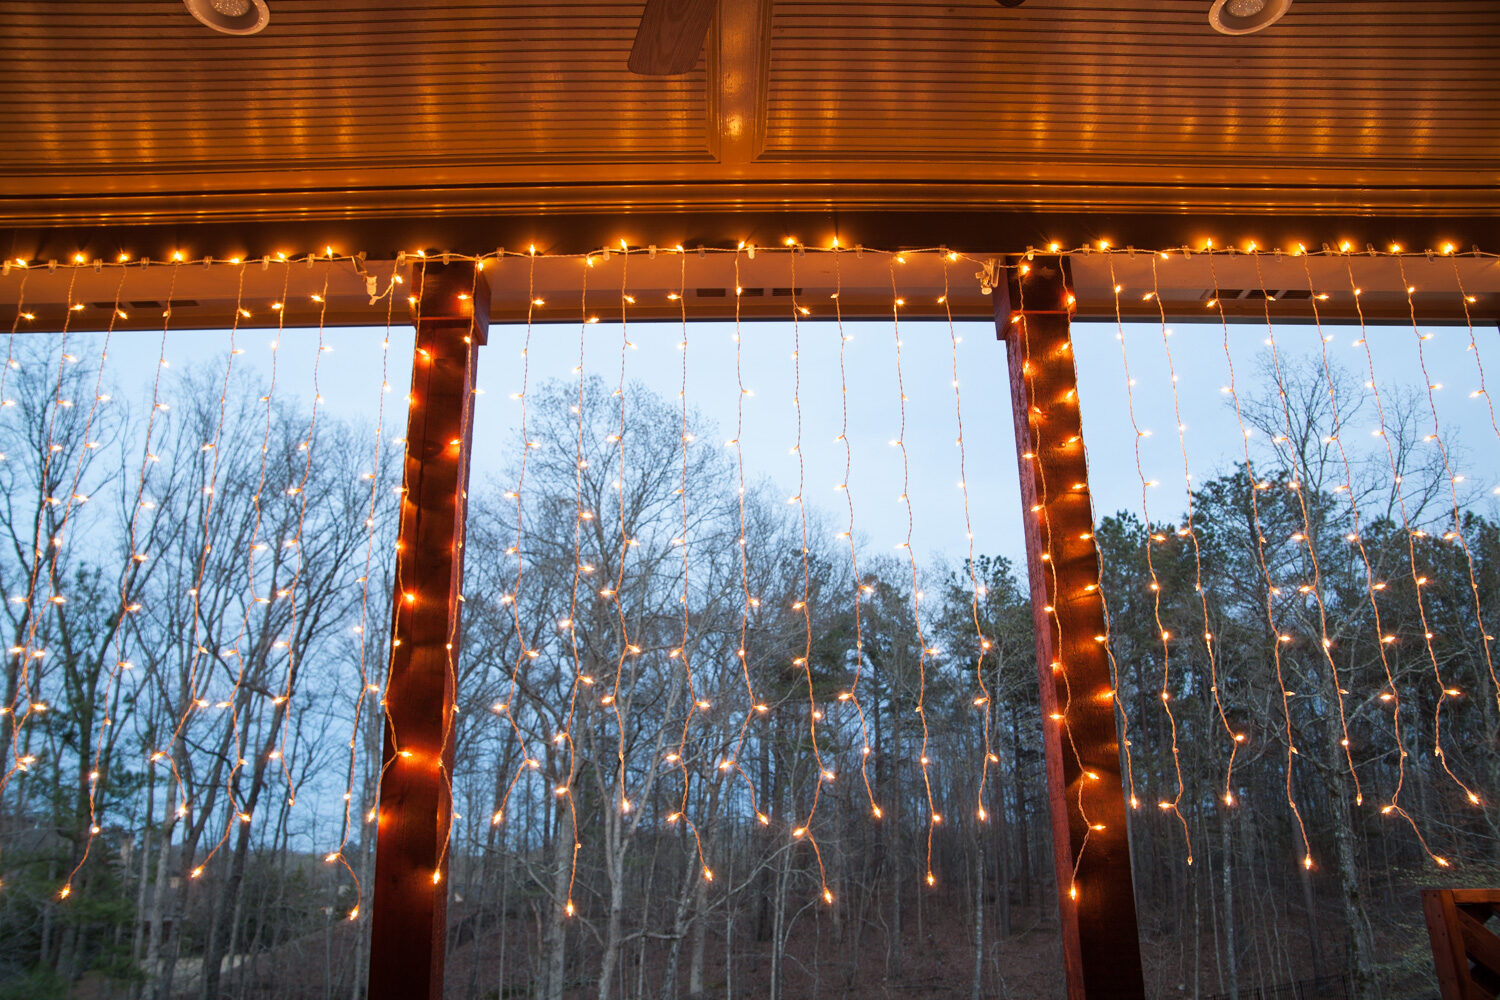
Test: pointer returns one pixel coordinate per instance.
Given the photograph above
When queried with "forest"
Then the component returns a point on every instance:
(709, 744)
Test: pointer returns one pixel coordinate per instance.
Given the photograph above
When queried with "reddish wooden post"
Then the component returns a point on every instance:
(1090, 836)
(1465, 952)
(409, 929)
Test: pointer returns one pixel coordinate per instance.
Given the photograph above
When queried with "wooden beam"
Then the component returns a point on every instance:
(1090, 832)
(1465, 952)
(737, 83)
(207, 298)
(579, 218)
(408, 930)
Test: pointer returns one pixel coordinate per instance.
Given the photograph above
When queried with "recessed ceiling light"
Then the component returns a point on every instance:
(232, 17)
(1242, 17)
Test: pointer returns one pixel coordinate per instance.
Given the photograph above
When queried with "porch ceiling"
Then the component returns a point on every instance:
(130, 112)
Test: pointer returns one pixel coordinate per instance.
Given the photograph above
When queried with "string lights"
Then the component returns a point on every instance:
(459, 447)
(1410, 534)
(55, 530)
(857, 581)
(590, 589)
(982, 642)
(1307, 538)
(683, 653)
(395, 753)
(362, 629)
(41, 548)
(235, 702)
(1253, 488)
(564, 738)
(612, 593)
(1466, 301)
(191, 700)
(804, 662)
(512, 601)
(754, 705)
(113, 673)
(923, 652)
(300, 492)
(1356, 538)
(1106, 639)
(1174, 804)
(1456, 532)
(1190, 531)
(1046, 543)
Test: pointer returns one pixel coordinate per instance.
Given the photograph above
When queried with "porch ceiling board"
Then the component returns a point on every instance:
(132, 112)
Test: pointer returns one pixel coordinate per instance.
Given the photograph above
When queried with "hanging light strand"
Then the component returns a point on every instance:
(755, 706)
(57, 530)
(255, 600)
(1190, 531)
(1043, 511)
(934, 816)
(982, 700)
(275, 746)
(394, 751)
(212, 448)
(814, 715)
(1254, 486)
(130, 606)
(45, 537)
(301, 496)
(1456, 533)
(1465, 300)
(1164, 636)
(451, 645)
(695, 703)
(15, 325)
(1308, 539)
(860, 588)
(565, 782)
(366, 687)
(1411, 534)
(1355, 536)
(525, 652)
(613, 594)
(112, 675)
(1106, 639)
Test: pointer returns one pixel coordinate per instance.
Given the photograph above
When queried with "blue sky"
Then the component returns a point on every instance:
(350, 377)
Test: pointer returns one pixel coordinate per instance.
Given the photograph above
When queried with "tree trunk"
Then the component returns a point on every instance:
(729, 912)
(137, 939)
(557, 933)
(1231, 949)
(1002, 852)
(1313, 928)
(155, 931)
(223, 926)
(1018, 801)
(976, 988)
(690, 877)
(778, 926)
(700, 940)
(1362, 947)
(611, 959)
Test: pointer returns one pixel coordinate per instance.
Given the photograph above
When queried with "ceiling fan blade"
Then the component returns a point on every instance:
(670, 36)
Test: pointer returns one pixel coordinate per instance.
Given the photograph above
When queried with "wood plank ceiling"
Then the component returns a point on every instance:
(130, 111)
